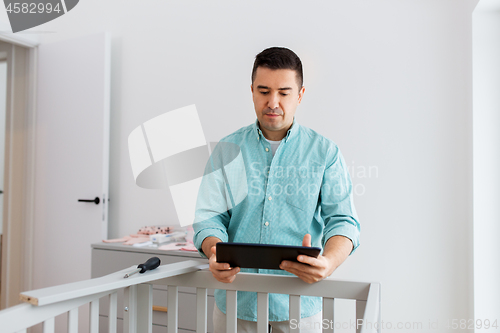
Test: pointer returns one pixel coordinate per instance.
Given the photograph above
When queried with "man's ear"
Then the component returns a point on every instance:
(251, 88)
(301, 93)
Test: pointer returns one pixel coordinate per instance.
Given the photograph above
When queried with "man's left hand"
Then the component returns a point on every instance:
(310, 269)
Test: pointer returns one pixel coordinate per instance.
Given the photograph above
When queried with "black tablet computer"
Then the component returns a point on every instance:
(265, 256)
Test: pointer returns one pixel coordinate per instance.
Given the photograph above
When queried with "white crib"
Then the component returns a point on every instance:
(43, 305)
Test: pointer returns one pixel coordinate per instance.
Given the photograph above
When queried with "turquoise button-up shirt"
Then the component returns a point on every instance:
(249, 196)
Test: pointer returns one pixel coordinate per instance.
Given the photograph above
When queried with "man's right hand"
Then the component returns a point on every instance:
(221, 271)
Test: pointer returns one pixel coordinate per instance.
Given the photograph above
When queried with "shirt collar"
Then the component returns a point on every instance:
(294, 129)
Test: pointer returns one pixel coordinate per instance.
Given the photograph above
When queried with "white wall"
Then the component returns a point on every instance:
(486, 23)
(388, 80)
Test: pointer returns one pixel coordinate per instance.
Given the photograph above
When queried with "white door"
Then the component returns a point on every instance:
(3, 103)
(72, 157)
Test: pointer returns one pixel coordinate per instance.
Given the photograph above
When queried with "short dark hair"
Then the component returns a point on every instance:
(279, 58)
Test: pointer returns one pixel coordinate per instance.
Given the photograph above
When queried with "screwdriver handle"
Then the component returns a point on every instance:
(150, 264)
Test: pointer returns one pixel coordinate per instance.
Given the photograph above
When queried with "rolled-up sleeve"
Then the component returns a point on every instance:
(208, 229)
(336, 199)
(212, 214)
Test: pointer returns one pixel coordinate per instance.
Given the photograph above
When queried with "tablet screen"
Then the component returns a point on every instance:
(265, 256)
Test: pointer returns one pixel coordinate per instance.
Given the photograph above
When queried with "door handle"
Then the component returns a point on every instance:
(96, 200)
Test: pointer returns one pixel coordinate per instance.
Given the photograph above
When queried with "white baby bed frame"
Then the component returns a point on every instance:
(43, 305)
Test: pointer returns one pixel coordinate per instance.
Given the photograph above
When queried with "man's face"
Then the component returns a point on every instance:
(276, 96)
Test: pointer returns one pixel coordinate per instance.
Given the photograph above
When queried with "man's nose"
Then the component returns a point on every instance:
(273, 102)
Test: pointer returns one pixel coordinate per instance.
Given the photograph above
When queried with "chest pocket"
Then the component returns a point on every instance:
(302, 191)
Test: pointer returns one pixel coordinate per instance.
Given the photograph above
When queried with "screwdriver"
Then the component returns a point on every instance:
(150, 264)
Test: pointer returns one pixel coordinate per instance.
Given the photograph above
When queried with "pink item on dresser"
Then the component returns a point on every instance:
(136, 240)
(141, 236)
(172, 246)
(151, 230)
(178, 246)
(117, 240)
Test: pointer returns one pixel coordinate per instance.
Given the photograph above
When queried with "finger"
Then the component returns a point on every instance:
(302, 269)
(226, 276)
(290, 266)
(309, 277)
(307, 240)
(229, 279)
(221, 266)
(302, 275)
(308, 260)
(293, 271)
(218, 265)
(228, 273)
(216, 269)
(213, 249)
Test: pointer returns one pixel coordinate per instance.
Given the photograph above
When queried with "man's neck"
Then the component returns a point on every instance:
(274, 135)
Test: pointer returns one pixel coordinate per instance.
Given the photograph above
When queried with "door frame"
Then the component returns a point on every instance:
(486, 159)
(18, 219)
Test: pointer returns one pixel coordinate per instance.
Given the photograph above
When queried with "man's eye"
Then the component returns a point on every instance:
(283, 94)
(264, 92)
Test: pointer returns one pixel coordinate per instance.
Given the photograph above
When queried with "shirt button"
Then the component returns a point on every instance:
(270, 198)
(267, 149)
(266, 224)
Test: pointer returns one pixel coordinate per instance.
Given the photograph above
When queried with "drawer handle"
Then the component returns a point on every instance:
(160, 308)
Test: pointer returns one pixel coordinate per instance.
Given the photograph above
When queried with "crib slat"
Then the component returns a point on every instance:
(94, 316)
(262, 312)
(130, 309)
(295, 313)
(360, 311)
(113, 312)
(328, 306)
(145, 308)
(379, 318)
(172, 304)
(201, 310)
(73, 321)
(231, 311)
(49, 325)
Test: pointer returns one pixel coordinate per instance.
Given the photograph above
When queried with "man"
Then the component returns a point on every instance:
(299, 193)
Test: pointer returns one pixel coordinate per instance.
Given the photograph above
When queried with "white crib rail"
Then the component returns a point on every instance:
(45, 304)
(20, 317)
(367, 296)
